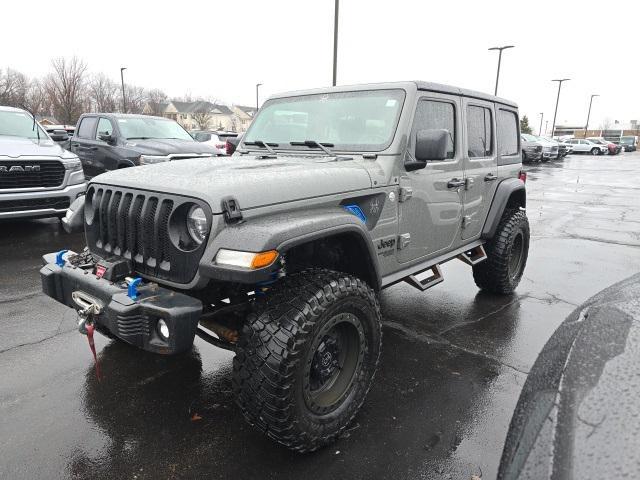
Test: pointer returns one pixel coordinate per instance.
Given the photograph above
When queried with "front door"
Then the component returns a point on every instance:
(480, 165)
(105, 158)
(431, 198)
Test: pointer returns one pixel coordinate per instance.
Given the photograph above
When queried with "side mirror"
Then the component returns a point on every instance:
(73, 221)
(105, 137)
(59, 136)
(430, 145)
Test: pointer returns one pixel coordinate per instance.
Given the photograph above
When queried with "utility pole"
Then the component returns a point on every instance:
(546, 126)
(586, 126)
(124, 103)
(541, 117)
(500, 49)
(335, 41)
(559, 80)
(257, 98)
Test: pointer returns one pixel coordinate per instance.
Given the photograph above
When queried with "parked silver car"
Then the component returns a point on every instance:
(531, 148)
(38, 178)
(587, 146)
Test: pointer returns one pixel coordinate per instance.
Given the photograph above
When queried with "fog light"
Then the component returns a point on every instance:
(163, 329)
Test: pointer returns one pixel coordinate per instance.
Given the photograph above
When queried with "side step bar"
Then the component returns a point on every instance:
(474, 256)
(434, 279)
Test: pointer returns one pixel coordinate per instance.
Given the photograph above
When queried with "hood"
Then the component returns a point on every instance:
(253, 181)
(167, 146)
(15, 147)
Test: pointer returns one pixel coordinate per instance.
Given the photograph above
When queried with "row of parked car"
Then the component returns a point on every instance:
(542, 149)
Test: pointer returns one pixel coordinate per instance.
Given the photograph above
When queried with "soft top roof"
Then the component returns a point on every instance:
(416, 84)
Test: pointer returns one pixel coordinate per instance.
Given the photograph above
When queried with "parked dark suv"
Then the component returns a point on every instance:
(109, 141)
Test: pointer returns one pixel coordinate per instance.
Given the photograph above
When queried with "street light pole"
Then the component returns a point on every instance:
(500, 49)
(335, 41)
(541, 118)
(586, 126)
(559, 80)
(124, 104)
(257, 98)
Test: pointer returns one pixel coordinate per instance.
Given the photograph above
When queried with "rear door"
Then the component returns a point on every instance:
(480, 165)
(430, 200)
(83, 144)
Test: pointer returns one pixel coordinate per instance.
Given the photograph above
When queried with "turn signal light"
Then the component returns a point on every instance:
(264, 259)
(523, 176)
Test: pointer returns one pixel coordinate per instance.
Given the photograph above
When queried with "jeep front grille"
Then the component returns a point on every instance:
(135, 225)
(31, 174)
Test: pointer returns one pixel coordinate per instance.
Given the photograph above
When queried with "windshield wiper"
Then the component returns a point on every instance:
(138, 138)
(268, 146)
(313, 143)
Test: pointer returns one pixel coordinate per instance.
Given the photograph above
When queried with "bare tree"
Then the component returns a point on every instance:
(202, 116)
(13, 88)
(103, 93)
(156, 101)
(66, 88)
(36, 99)
(136, 99)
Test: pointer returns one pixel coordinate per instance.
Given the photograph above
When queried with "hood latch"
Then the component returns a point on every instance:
(231, 210)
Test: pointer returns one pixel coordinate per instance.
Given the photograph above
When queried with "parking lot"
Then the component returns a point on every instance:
(452, 366)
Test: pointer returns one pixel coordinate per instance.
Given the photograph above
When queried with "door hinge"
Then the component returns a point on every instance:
(468, 183)
(405, 194)
(404, 240)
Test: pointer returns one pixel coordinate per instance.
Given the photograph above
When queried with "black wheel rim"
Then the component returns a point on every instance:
(333, 363)
(517, 254)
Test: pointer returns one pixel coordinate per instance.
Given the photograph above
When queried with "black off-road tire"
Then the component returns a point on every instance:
(279, 346)
(507, 254)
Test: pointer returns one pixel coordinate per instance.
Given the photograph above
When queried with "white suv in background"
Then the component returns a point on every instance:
(587, 146)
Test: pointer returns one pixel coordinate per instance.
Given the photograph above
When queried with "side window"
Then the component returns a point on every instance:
(105, 127)
(507, 133)
(479, 131)
(433, 115)
(87, 127)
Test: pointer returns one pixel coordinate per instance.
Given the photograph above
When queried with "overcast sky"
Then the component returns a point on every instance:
(222, 49)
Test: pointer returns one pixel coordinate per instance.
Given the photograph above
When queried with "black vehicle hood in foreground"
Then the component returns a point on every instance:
(167, 146)
(578, 415)
(252, 180)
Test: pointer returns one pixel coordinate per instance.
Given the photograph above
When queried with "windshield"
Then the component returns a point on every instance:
(627, 140)
(529, 138)
(19, 124)
(139, 127)
(351, 121)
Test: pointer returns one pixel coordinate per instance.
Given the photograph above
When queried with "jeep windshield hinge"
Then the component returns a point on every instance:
(231, 210)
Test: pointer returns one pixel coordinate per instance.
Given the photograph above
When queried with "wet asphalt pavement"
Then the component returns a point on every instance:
(453, 362)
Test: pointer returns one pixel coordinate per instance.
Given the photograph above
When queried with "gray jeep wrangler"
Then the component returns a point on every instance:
(278, 253)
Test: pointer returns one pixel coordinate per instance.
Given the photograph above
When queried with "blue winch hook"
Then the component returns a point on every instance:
(59, 259)
(132, 287)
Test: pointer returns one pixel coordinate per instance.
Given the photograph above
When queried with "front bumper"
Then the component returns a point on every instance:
(533, 154)
(134, 321)
(39, 203)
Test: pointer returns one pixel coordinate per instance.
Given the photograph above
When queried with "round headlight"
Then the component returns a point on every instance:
(197, 224)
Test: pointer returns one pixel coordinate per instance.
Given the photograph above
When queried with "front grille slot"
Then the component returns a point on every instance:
(50, 174)
(136, 225)
(29, 204)
(132, 325)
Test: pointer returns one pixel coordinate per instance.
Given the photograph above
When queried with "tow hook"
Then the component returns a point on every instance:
(89, 306)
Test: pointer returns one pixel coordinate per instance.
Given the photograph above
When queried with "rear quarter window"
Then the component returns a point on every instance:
(507, 133)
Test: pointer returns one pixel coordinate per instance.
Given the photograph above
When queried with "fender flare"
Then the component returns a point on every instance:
(504, 191)
(282, 232)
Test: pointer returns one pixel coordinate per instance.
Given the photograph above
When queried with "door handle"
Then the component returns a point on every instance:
(93, 148)
(75, 144)
(490, 177)
(455, 183)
